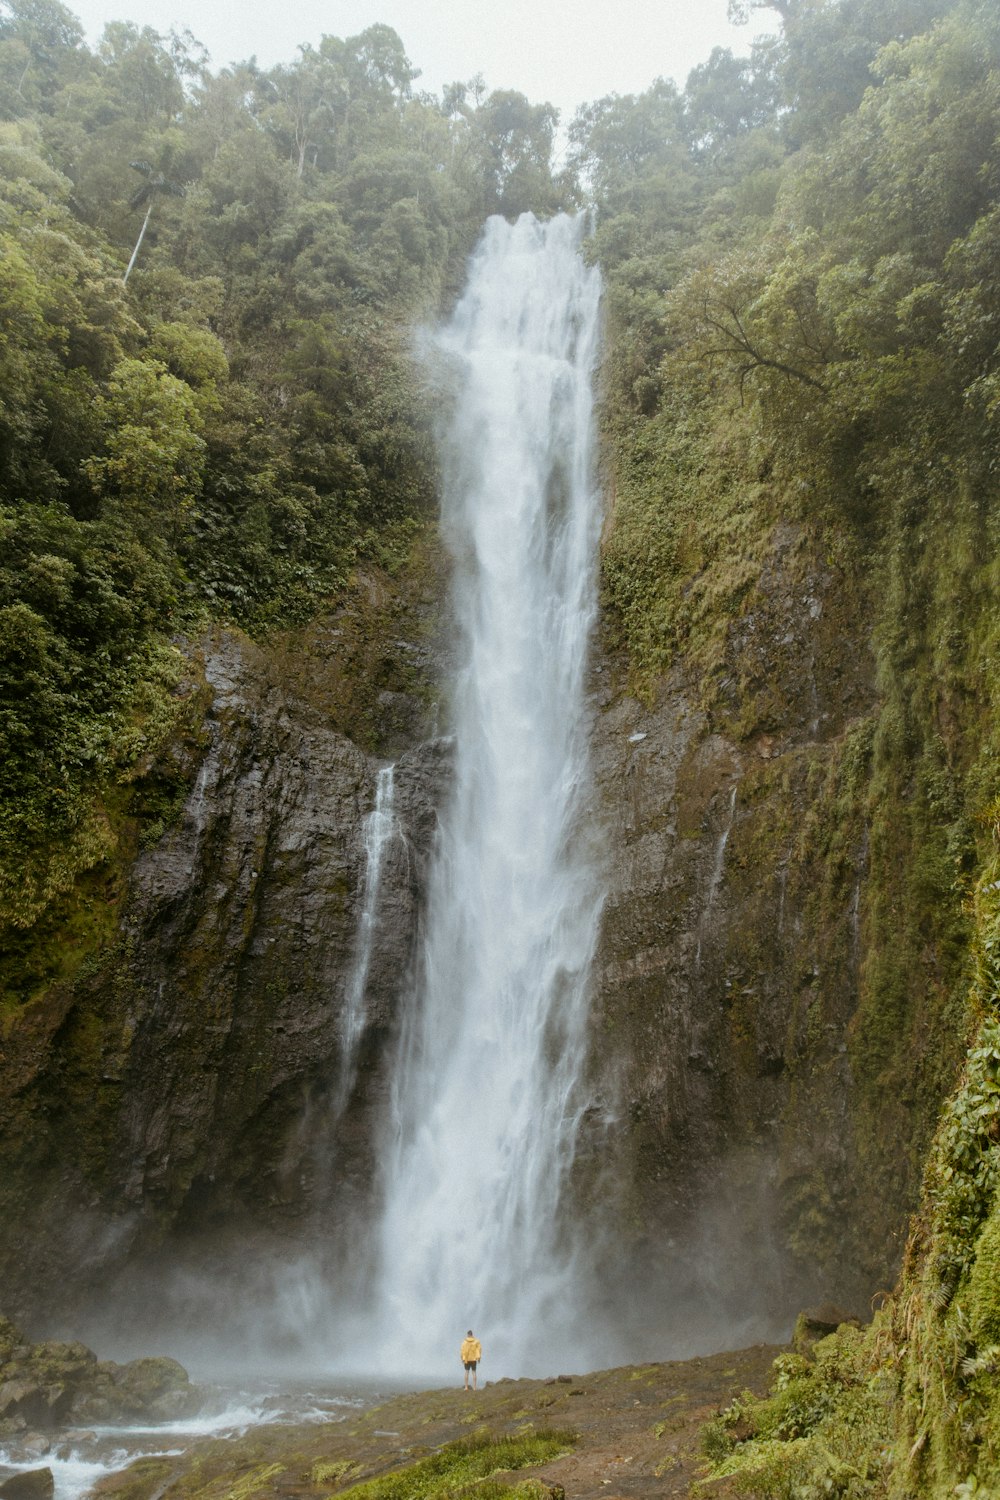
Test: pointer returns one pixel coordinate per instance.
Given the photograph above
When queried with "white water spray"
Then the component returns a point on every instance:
(489, 1093)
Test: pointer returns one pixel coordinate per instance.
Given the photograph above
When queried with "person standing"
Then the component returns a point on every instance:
(470, 1354)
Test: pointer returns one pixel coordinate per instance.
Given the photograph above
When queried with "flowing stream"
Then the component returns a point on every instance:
(488, 1095)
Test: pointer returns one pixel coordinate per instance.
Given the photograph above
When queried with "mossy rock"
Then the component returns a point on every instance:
(983, 1296)
(11, 1338)
(34, 1484)
(141, 1480)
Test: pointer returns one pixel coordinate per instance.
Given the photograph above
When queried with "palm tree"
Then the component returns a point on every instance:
(155, 186)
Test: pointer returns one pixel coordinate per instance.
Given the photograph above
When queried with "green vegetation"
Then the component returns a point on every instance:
(470, 1467)
(910, 1406)
(209, 411)
(208, 401)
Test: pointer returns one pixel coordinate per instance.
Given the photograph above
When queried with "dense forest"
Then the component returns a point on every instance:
(210, 411)
(222, 424)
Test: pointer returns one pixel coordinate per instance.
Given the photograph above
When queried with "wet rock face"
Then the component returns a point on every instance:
(243, 929)
(725, 981)
(211, 1041)
(191, 1094)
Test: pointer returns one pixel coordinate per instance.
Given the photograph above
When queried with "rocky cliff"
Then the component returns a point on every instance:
(729, 968)
(183, 1085)
(183, 1094)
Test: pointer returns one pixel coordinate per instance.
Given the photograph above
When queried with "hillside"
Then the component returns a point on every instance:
(224, 607)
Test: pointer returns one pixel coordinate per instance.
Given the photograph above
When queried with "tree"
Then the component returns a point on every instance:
(515, 141)
(155, 186)
(621, 141)
(725, 97)
(759, 313)
(35, 38)
(154, 454)
(740, 11)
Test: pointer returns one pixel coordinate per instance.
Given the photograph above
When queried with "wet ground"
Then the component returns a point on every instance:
(638, 1427)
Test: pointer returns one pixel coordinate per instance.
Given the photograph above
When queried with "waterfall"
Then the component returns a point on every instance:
(715, 878)
(379, 830)
(489, 1095)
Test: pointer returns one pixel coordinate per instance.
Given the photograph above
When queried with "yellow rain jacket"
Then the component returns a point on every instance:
(471, 1351)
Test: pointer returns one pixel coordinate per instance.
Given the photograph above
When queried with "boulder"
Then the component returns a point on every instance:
(51, 1384)
(25, 1398)
(33, 1484)
(155, 1388)
(91, 1406)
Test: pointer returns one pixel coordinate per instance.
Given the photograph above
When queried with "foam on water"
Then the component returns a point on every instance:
(78, 1463)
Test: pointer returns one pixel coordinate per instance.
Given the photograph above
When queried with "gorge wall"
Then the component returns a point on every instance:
(179, 1087)
(729, 967)
(172, 1103)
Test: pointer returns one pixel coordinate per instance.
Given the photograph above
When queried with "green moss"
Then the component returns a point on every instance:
(69, 919)
(143, 1479)
(908, 1409)
(685, 546)
(367, 666)
(982, 1294)
(460, 1469)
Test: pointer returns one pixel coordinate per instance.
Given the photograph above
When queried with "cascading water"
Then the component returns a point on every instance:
(488, 1094)
(380, 828)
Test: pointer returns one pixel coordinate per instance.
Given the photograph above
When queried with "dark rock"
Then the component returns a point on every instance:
(220, 1019)
(51, 1383)
(818, 1323)
(33, 1484)
(156, 1388)
(92, 1406)
(738, 1132)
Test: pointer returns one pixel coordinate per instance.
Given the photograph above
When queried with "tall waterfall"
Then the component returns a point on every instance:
(489, 1083)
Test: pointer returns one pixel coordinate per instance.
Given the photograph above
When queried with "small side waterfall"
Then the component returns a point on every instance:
(488, 1092)
(380, 828)
(715, 878)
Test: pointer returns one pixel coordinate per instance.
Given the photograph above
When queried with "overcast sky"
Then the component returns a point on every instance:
(554, 50)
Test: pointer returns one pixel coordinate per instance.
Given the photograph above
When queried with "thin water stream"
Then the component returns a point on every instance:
(380, 829)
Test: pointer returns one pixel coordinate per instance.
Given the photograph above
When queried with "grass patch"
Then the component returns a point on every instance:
(468, 1467)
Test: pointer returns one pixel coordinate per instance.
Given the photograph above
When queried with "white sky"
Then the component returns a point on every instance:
(552, 50)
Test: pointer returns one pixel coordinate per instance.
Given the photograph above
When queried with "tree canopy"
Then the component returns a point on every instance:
(208, 282)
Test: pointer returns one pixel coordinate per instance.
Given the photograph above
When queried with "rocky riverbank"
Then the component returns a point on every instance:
(52, 1391)
(626, 1434)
